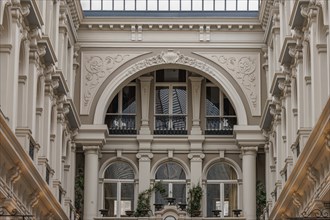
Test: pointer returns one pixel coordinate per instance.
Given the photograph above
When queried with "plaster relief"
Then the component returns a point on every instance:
(245, 69)
(95, 69)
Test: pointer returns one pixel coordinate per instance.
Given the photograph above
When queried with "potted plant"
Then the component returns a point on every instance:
(143, 204)
(194, 201)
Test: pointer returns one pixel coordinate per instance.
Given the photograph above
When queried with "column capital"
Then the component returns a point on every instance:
(146, 78)
(144, 156)
(196, 156)
(91, 149)
(249, 150)
(195, 78)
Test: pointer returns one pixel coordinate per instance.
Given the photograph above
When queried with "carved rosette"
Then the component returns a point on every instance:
(95, 69)
(244, 68)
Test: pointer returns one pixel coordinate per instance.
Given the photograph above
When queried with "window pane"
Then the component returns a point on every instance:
(163, 5)
(170, 75)
(242, 5)
(231, 5)
(219, 5)
(179, 100)
(127, 197)
(253, 5)
(208, 5)
(197, 5)
(129, 5)
(159, 199)
(119, 170)
(175, 5)
(107, 4)
(212, 101)
(162, 100)
(129, 103)
(96, 4)
(85, 4)
(179, 192)
(141, 5)
(228, 108)
(221, 171)
(171, 171)
(186, 5)
(213, 198)
(230, 197)
(110, 197)
(118, 5)
(152, 4)
(113, 108)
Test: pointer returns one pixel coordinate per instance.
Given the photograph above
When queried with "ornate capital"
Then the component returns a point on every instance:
(196, 156)
(144, 156)
(91, 149)
(249, 150)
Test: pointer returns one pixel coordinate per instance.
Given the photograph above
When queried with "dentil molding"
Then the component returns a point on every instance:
(245, 69)
(96, 67)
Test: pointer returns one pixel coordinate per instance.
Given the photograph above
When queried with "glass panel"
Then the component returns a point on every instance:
(129, 103)
(242, 5)
(118, 5)
(162, 122)
(197, 5)
(231, 5)
(163, 5)
(221, 171)
(162, 100)
(110, 198)
(212, 101)
(127, 197)
(85, 4)
(179, 122)
(219, 5)
(186, 5)
(170, 170)
(230, 200)
(152, 4)
(107, 4)
(130, 5)
(213, 198)
(113, 108)
(119, 170)
(208, 5)
(159, 199)
(175, 5)
(170, 75)
(179, 100)
(228, 108)
(253, 5)
(141, 5)
(96, 4)
(179, 192)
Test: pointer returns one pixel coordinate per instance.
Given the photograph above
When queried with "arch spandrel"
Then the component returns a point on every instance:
(169, 57)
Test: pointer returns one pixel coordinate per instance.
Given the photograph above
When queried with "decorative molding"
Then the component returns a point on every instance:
(144, 156)
(245, 69)
(196, 156)
(95, 70)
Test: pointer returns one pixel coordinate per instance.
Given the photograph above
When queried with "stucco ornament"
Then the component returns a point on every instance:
(95, 69)
(244, 69)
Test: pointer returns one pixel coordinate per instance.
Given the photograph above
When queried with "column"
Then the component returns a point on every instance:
(196, 165)
(145, 100)
(91, 181)
(144, 170)
(249, 182)
(196, 103)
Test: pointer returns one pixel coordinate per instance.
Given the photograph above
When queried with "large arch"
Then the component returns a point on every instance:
(172, 58)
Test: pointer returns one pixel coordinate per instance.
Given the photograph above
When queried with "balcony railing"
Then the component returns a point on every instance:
(121, 124)
(220, 125)
(170, 124)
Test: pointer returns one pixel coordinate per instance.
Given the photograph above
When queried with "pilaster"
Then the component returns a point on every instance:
(144, 169)
(196, 165)
(196, 100)
(145, 100)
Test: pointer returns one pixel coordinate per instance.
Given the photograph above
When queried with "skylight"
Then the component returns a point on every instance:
(170, 5)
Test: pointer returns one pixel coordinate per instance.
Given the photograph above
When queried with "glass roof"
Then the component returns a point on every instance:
(169, 7)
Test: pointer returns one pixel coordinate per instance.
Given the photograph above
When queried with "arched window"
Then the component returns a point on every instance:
(174, 179)
(118, 189)
(222, 189)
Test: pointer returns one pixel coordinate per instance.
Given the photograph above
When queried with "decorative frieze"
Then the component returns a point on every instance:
(95, 70)
(245, 69)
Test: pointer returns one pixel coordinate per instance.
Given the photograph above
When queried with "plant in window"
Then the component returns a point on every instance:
(194, 201)
(79, 191)
(261, 198)
(143, 204)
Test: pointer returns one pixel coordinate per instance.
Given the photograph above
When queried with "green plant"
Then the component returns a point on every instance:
(194, 201)
(143, 204)
(261, 198)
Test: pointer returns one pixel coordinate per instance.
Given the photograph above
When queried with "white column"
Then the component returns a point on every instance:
(196, 104)
(196, 166)
(145, 100)
(249, 182)
(91, 181)
(144, 170)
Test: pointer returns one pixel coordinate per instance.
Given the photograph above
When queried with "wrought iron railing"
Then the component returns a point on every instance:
(170, 124)
(220, 125)
(121, 124)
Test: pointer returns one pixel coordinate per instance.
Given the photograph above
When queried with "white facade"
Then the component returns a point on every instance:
(120, 103)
